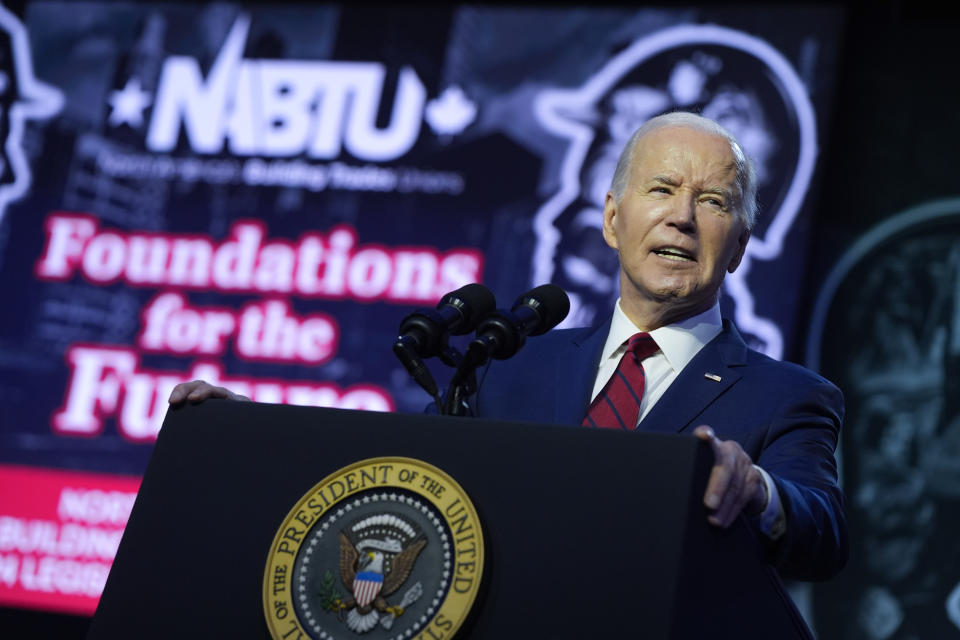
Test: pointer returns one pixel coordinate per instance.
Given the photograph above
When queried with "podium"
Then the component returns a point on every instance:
(587, 533)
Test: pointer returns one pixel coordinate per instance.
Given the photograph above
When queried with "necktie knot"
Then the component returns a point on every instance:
(642, 345)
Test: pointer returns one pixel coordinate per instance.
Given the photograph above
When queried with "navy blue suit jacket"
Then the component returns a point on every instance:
(785, 417)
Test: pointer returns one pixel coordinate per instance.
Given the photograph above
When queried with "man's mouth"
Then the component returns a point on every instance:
(673, 253)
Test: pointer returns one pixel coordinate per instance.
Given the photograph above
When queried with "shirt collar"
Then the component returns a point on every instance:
(679, 342)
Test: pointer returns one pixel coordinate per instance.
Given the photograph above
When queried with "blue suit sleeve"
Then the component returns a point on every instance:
(799, 456)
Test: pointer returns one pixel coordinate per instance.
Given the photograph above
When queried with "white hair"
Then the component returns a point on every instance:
(746, 177)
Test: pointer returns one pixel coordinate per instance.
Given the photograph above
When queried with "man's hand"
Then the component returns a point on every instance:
(197, 391)
(734, 485)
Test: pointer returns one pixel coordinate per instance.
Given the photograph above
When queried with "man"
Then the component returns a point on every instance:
(679, 215)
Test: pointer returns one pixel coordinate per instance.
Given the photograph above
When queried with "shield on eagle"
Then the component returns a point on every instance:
(366, 586)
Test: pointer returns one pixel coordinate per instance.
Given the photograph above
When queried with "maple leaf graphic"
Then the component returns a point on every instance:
(451, 112)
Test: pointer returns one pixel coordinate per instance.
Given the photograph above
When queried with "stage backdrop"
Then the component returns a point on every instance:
(257, 195)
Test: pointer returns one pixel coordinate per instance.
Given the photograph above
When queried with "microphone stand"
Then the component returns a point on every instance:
(500, 335)
(425, 334)
(464, 381)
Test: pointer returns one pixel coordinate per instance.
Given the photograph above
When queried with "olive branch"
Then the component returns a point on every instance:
(327, 591)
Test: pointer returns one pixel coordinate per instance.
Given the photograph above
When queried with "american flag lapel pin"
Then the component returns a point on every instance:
(712, 376)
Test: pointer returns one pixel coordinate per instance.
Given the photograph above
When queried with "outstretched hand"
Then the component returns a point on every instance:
(735, 485)
(196, 391)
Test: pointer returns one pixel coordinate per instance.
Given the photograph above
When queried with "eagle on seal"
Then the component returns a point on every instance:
(371, 575)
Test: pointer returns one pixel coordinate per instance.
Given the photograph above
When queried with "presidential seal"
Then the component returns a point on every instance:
(387, 548)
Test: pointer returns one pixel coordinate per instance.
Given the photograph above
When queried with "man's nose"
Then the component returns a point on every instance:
(683, 213)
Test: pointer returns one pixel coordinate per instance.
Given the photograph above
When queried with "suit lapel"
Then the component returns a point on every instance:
(575, 373)
(692, 392)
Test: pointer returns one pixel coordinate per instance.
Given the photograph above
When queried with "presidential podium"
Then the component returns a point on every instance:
(587, 533)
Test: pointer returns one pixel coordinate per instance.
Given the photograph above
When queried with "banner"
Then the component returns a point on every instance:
(59, 533)
(257, 195)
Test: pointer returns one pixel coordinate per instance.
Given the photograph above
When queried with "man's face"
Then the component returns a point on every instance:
(676, 230)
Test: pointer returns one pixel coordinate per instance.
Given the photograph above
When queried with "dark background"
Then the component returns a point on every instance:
(894, 143)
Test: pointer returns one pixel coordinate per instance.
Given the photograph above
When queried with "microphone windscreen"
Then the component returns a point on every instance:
(474, 301)
(551, 304)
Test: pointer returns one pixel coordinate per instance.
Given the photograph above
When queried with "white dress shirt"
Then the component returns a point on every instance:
(678, 343)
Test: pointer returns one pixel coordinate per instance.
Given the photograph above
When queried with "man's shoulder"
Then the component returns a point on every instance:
(562, 338)
(760, 364)
(546, 381)
(783, 369)
(575, 334)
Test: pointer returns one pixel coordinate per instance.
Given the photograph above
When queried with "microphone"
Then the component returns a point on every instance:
(423, 334)
(502, 334)
(457, 313)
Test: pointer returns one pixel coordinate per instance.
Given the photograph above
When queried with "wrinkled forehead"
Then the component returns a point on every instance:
(686, 154)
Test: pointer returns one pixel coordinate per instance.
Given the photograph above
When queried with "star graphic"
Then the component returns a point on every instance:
(127, 105)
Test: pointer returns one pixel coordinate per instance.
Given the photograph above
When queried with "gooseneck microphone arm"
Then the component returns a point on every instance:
(405, 350)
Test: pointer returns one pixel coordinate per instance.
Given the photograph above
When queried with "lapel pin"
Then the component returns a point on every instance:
(712, 376)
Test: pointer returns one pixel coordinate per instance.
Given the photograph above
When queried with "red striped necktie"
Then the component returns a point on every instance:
(618, 403)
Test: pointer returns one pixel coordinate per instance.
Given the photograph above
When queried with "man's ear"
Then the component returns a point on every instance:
(610, 211)
(741, 247)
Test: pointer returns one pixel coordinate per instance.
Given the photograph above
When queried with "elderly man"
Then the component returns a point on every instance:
(679, 214)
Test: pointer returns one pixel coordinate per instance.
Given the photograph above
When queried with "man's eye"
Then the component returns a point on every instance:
(660, 190)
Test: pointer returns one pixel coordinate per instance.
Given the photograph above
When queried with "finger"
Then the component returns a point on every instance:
(704, 432)
(711, 497)
(735, 496)
(176, 396)
(206, 391)
(720, 473)
(724, 494)
(182, 390)
(718, 484)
